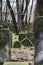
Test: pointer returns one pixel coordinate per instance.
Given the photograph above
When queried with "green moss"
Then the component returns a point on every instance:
(15, 63)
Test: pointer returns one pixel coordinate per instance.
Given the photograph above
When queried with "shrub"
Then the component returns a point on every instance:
(1, 63)
(17, 44)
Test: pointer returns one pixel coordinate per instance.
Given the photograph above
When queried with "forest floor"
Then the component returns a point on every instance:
(22, 54)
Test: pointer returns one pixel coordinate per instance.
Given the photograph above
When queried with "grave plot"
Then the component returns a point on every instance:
(24, 54)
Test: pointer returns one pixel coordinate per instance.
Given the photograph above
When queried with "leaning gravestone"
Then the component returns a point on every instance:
(4, 45)
(38, 32)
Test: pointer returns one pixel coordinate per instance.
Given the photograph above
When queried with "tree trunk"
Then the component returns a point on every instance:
(13, 16)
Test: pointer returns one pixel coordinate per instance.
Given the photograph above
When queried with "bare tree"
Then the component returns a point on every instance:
(21, 11)
(13, 16)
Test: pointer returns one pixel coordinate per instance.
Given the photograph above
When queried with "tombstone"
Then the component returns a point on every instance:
(38, 33)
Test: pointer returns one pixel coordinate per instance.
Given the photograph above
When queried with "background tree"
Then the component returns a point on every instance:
(20, 13)
(13, 16)
(40, 7)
